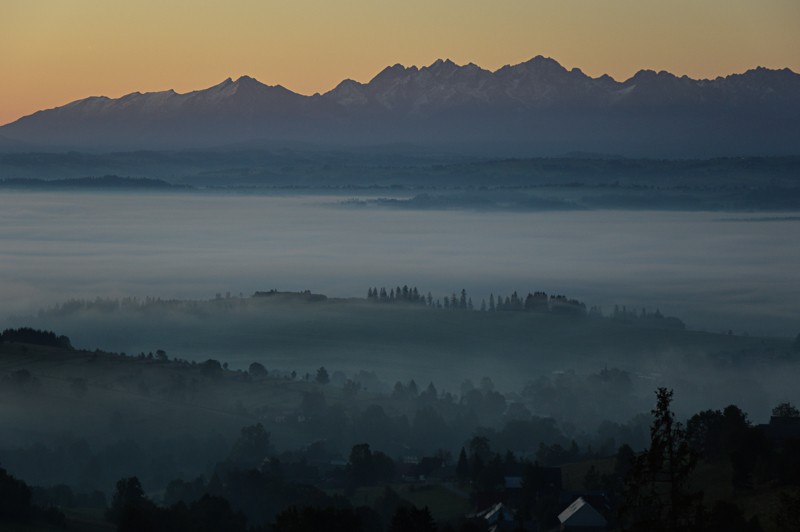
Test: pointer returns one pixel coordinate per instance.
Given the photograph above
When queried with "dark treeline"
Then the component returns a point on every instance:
(533, 302)
(348, 435)
(657, 488)
(83, 183)
(27, 335)
(405, 293)
(335, 413)
(373, 170)
(537, 301)
(545, 420)
(654, 489)
(336, 434)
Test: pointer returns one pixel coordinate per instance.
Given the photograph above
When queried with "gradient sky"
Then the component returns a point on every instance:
(56, 51)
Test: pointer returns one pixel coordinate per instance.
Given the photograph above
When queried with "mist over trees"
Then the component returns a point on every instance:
(216, 437)
(652, 485)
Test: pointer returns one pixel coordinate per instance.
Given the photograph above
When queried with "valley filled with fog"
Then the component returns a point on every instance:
(252, 344)
(717, 271)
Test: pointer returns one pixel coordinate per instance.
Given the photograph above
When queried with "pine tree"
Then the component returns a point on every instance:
(657, 494)
(431, 391)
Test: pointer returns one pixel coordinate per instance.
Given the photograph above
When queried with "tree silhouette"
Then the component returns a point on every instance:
(366, 467)
(785, 410)
(211, 368)
(657, 494)
(252, 446)
(130, 510)
(412, 519)
(15, 498)
(322, 376)
(257, 369)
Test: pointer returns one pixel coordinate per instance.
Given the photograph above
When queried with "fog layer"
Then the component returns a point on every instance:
(713, 270)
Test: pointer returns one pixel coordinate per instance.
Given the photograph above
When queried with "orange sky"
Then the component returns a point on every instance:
(56, 51)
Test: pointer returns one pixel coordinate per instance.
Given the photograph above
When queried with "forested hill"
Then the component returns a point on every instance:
(445, 338)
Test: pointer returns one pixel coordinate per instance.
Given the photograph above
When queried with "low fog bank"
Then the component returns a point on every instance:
(716, 272)
(579, 197)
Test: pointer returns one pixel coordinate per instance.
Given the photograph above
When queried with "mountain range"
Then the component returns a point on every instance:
(535, 107)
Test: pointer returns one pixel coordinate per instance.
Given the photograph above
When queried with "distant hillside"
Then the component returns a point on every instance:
(105, 182)
(535, 107)
(406, 339)
(302, 167)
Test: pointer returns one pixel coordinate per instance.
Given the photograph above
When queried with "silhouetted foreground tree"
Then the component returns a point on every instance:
(15, 498)
(786, 410)
(657, 496)
(131, 511)
(16, 506)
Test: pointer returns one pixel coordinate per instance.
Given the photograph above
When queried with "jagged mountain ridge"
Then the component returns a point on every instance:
(535, 103)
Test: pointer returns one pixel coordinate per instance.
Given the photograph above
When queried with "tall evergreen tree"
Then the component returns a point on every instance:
(657, 493)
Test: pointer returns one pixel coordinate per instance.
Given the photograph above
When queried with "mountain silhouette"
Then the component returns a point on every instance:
(533, 107)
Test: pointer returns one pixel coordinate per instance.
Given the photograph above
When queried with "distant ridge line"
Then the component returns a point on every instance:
(535, 103)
